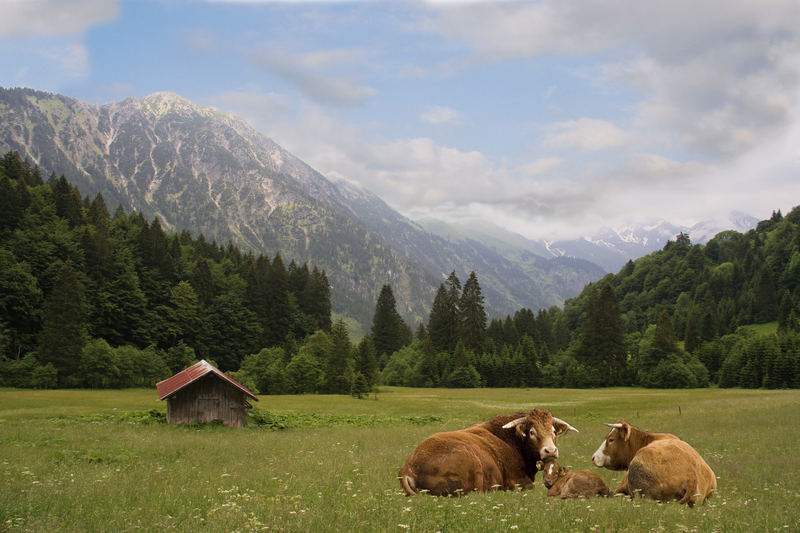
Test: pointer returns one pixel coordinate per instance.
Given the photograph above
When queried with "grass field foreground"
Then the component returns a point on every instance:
(95, 461)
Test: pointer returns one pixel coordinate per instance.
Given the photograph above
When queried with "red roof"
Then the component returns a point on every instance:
(190, 375)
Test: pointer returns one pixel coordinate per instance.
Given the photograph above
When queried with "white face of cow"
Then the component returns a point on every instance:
(540, 429)
(615, 451)
(546, 444)
(600, 458)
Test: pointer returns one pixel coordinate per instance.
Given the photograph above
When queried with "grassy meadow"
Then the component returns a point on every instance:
(97, 461)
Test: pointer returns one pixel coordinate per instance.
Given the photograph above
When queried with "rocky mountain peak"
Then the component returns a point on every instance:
(210, 172)
(164, 102)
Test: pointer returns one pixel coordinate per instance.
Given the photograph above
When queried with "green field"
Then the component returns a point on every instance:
(96, 461)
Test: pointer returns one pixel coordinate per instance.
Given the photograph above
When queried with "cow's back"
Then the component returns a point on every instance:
(462, 461)
(670, 469)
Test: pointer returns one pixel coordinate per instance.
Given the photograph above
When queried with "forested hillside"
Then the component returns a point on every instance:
(681, 317)
(95, 300)
(77, 283)
(204, 171)
(708, 297)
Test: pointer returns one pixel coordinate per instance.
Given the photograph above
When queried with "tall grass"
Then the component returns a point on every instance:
(79, 461)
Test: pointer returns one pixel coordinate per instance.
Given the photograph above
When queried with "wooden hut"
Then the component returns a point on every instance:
(202, 393)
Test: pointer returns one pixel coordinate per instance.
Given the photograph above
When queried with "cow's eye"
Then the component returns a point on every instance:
(532, 433)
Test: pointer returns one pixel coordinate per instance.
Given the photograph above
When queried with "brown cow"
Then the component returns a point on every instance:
(499, 453)
(659, 465)
(563, 483)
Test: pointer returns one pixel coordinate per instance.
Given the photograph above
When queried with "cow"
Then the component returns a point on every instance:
(563, 483)
(499, 453)
(659, 465)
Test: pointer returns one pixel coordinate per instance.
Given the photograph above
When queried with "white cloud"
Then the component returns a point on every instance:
(541, 167)
(257, 107)
(71, 58)
(439, 115)
(584, 134)
(53, 18)
(717, 77)
(306, 72)
(711, 105)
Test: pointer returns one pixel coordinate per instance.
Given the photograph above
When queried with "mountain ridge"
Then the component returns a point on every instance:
(210, 172)
(609, 248)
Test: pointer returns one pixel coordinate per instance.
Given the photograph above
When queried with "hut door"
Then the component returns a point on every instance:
(208, 408)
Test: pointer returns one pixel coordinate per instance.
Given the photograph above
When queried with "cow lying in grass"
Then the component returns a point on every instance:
(499, 453)
(659, 465)
(563, 483)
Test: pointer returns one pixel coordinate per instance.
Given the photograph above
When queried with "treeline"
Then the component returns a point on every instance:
(90, 299)
(678, 318)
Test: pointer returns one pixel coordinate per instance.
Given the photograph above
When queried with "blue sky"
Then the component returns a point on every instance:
(551, 118)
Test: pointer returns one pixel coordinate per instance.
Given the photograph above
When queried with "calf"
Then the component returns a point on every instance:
(563, 483)
(659, 465)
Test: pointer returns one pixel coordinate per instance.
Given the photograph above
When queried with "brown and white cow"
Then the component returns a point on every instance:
(499, 453)
(563, 483)
(659, 465)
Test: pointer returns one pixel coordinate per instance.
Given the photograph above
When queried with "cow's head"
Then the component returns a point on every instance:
(618, 449)
(540, 429)
(551, 471)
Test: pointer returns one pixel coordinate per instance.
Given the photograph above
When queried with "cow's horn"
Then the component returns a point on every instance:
(514, 423)
(569, 427)
(617, 425)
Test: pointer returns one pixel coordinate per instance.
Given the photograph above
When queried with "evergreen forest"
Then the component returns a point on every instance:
(91, 299)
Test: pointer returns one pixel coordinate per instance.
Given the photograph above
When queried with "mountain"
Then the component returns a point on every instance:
(612, 248)
(608, 248)
(209, 172)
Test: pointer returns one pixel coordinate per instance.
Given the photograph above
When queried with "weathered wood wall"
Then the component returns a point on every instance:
(209, 399)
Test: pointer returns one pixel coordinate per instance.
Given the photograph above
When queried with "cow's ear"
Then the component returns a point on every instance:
(562, 427)
(624, 430)
(520, 431)
(539, 465)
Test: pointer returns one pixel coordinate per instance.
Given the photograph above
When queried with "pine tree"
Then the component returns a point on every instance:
(602, 343)
(463, 373)
(68, 203)
(765, 295)
(121, 313)
(692, 335)
(360, 386)
(20, 305)
(203, 282)
(339, 362)
(181, 317)
(315, 300)
(439, 327)
(473, 315)
(98, 212)
(366, 362)
(664, 339)
(387, 325)
(421, 332)
(530, 371)
(427, 370)
(544, 326)
(63, 332)
(495, 332)
(786, 315)
(525, 323)
(511, 335)
(278, 308)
